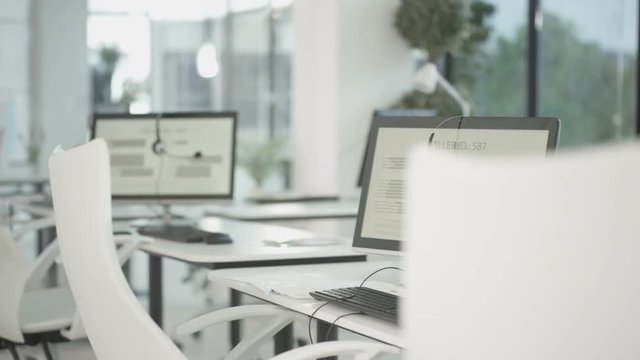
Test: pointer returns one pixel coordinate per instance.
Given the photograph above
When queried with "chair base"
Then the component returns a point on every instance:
(53, 337)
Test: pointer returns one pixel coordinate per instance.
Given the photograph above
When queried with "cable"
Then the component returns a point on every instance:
(333, 324)
(159, 148)
(159, 180)
(460, 117)
(311, 317)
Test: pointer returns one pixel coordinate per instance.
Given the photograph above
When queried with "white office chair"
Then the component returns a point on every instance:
(116, 324)
(29, 313)
(523, 258)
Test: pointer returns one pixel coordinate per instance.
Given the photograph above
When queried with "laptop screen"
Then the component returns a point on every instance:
(379, 222)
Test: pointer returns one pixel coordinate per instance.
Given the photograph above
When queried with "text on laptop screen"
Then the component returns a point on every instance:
(384, 207)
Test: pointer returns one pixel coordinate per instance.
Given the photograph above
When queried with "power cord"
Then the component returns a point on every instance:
(333, 324)
(312, 316)
(460, 119)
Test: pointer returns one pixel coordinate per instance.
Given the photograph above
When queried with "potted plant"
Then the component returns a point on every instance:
(260, 159)
(33, 147)
(438, 28)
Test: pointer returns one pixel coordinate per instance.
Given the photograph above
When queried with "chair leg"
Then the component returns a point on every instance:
(47, 350)
(13, 351)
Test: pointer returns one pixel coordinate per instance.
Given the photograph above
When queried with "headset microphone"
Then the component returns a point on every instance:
(158, 147)
(433, 134)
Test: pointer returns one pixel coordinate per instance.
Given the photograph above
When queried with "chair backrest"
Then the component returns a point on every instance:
(116, 324)
(523, 258)
(14, 270)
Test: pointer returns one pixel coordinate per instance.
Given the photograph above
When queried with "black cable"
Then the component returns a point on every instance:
(333, 324)
(318, 309)
(159, 180)
(159, 148)
(460, 119)
(311, 317)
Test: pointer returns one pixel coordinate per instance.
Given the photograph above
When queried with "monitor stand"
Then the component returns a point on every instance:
(177, 228)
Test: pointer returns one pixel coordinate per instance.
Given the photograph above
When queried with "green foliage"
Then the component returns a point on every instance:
(578, 83)
(131, 91)
(33, 144)
(109, 57)
(478, 28)
(260, 159)
(439, 100)
(436, 26)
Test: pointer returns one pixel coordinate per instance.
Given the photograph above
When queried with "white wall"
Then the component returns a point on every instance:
(60, 74)
(348, 61)
(315, 86)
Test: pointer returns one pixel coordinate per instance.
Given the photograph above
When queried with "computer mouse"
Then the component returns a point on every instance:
(215, 238)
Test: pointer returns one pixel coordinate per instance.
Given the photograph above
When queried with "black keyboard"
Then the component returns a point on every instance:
(186, 234)
(371, 302)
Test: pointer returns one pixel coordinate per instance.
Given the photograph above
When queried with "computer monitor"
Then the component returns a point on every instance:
(379, 222)
(413, 113)
(170, 156)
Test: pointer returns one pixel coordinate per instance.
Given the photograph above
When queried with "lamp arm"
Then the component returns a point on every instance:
(457, 97)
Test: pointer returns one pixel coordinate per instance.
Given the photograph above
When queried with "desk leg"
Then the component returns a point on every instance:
(321, 335)
(46, 237)
(284, 340)
(155, 289)
(235, 326)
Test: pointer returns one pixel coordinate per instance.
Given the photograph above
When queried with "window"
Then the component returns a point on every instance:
(493, 74)
(197, 55)
(588, 68)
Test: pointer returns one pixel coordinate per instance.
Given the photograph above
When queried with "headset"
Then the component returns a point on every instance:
(433, 134)
(159, 148)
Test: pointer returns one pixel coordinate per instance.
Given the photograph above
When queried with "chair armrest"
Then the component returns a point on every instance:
(50, 254)
(230, 314)
(41, 266)
(33, 225)
(361, 349)
(253, 342)
(129, 243)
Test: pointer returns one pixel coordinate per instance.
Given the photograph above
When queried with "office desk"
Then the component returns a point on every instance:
(287, 211)
(247, 250)
(118, 212)
(275, 283)
(37, 182)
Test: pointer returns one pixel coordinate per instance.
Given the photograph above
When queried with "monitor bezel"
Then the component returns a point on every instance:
(393, 247)
(202, 115)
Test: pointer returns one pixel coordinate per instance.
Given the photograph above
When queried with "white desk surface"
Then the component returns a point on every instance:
(118, 212)
(26, 179)
(247, 239)
(286, 211)
(247, 212)
(269, 284)
(247, 245)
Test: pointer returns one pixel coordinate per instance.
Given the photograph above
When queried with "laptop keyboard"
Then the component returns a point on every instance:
(369, 301)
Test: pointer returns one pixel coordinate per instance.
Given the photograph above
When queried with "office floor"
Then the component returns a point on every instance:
(188, 294)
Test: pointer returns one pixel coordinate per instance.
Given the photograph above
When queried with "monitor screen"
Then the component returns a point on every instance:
(414, 113)
(379, 223)
(170, 155)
